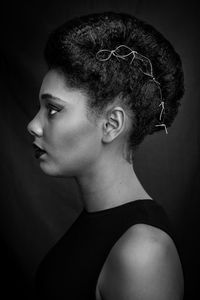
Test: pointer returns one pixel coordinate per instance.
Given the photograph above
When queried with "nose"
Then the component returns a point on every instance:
(35, 127)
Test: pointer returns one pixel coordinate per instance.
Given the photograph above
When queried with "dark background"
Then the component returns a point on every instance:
(36, 210)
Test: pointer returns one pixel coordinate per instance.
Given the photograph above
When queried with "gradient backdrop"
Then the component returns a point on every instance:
(36, 210)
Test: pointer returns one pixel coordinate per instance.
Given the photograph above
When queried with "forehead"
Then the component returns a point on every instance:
(54, 84)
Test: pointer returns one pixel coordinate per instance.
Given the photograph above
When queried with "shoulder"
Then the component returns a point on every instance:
(143, 264)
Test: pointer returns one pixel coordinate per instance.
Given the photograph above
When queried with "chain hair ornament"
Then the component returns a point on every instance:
(104, 54)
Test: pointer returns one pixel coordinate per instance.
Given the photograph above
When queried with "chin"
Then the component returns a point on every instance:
(55, 171)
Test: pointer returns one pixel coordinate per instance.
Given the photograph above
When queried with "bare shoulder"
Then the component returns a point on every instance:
(143, 264)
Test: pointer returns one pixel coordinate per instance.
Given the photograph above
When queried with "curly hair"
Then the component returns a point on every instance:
(72, 48)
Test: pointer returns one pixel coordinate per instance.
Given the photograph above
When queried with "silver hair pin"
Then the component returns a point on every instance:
(106, 54)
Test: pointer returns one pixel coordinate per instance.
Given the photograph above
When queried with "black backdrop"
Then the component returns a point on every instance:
(35, 210)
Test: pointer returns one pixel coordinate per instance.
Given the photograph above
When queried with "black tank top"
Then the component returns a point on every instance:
(71, 268)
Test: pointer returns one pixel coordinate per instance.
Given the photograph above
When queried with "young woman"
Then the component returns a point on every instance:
(112, 80)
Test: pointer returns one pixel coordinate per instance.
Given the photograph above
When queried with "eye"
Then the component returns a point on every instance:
(52, 110)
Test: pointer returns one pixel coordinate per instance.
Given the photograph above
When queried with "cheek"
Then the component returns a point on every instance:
(79, 139)
(75, 144)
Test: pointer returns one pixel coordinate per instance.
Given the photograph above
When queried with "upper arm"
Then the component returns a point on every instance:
(143, 267)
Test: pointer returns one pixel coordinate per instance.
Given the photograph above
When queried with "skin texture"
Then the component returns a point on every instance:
(142, 265)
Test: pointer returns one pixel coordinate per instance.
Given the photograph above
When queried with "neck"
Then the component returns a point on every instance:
(108, 184)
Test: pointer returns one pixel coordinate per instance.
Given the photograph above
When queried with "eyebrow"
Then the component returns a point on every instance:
(47, 96)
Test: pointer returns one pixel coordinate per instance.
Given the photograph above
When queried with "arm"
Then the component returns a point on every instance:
(144, 265)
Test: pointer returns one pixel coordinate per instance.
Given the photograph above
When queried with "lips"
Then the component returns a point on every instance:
(38, 151)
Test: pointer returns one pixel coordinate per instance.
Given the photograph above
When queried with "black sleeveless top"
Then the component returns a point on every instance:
(71, 268)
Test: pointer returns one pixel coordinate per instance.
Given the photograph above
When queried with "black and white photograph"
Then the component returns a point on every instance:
(100, 144)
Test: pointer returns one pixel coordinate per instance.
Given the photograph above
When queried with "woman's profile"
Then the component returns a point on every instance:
(112, 80)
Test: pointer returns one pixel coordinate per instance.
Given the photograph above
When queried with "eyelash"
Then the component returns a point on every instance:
(51, 107)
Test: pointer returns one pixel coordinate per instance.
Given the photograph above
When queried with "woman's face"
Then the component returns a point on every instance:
(61, 127)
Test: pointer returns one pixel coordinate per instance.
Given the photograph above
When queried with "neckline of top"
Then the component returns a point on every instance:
(116, 208)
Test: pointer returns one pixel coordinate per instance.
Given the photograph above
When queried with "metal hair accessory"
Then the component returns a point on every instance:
(103, 55)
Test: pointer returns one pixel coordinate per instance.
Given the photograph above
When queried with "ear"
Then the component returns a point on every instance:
(114, 124)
